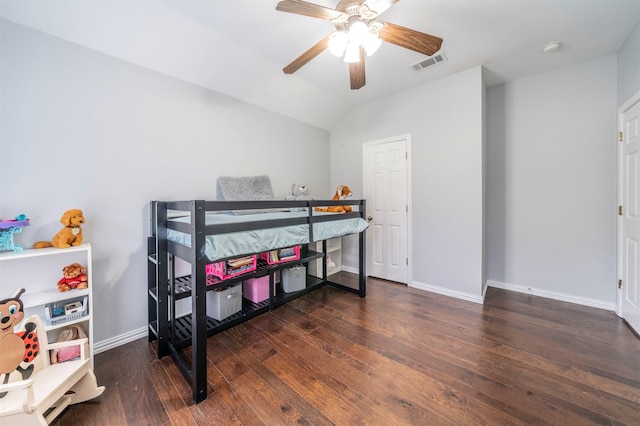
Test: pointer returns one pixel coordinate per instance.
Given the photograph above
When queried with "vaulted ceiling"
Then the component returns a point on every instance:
(239, 47)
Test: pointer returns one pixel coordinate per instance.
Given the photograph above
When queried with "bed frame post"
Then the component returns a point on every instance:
(199, 304)
(162, 278)
(324, 263)
(152, 275)
(171, 303)
(362, 285)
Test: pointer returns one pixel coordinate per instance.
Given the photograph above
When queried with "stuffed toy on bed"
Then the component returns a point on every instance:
(300, 191)
(342, 193)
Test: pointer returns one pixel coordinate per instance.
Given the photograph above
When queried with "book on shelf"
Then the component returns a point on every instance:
(287, 252)
(239, 269)
(235, 263)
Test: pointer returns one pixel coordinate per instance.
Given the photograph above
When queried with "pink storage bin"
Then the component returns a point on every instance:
(281, 255)
(232, 267)
(256, 289)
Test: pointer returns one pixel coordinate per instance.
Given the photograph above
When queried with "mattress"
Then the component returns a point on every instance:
(222, 246)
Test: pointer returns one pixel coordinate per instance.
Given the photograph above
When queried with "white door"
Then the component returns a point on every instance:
(630, 219)
(386, 189)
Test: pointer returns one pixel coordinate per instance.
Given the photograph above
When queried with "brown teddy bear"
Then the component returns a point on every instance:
(70, 235)
(74, 276)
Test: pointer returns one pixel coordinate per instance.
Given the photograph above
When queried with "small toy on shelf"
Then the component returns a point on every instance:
(10, 227)
(73, 277)
(57, 311)
(330, 263)
(68, 353)
(70, 235)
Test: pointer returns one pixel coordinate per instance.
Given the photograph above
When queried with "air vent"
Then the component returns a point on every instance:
(429, 62)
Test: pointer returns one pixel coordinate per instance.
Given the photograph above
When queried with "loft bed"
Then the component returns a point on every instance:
(204, 232)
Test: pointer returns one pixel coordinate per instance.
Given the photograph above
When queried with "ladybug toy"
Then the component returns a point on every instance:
(16, 348)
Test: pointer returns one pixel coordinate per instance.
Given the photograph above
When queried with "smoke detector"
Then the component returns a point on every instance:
(551, 47)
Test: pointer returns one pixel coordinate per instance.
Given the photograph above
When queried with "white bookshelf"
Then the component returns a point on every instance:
(334, 253)
(38, 272)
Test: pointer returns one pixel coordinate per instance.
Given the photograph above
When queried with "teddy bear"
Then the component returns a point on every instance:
(73, 276)
(300, 191)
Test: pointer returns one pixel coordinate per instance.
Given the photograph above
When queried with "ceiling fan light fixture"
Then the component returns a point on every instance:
(356, 22)
(372, 44)
(352, 53)
(338, 41)
(358, 32)
(367, 13)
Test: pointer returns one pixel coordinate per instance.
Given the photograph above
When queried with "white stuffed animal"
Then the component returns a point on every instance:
(300, 191)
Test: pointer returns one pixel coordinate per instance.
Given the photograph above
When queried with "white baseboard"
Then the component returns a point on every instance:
(114, 342)
(593, 303)
(355, 270)
(434, 289)
(448, 292)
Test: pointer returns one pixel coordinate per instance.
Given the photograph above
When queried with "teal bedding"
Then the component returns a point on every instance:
(222, 246)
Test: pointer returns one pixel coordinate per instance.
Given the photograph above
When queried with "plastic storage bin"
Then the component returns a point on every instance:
(281, 255)
(224, 303)
(63, 311)
(232, 267)
(294, 279)
(256, 289)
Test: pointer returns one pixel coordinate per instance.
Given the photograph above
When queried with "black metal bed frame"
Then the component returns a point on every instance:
(174, 334)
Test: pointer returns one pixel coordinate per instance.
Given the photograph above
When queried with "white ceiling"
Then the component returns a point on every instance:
(239, 47)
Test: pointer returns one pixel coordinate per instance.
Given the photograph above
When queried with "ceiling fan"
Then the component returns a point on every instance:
(358, 31)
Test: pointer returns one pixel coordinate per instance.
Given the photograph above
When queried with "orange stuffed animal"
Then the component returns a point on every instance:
(70, 235)
(342, 192)
(73, 276)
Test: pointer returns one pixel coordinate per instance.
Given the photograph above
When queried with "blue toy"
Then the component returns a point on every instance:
(10, 227)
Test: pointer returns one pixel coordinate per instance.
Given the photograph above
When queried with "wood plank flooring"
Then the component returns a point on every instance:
(397, 357)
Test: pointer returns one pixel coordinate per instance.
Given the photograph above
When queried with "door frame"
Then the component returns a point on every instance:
(624, 108)
(407, 138)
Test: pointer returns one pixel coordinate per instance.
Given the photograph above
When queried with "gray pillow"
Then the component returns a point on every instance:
(246, 188)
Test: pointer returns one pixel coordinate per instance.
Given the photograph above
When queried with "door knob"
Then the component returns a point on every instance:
(369, 218)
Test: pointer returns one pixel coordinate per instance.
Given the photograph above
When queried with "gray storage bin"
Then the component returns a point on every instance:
(294, 278)
(221, 304)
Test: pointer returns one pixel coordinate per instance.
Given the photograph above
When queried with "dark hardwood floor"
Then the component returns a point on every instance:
(398, 357)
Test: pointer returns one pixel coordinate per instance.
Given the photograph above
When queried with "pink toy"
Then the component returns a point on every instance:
(68, 353)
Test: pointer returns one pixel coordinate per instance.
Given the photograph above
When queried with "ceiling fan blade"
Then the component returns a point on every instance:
(410, 39)
(379, 6)
(308, 9)
(356, 72)
(302, 60)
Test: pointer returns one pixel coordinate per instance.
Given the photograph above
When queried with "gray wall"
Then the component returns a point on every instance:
(444, 120)
(83, 129)
(550, 187)
(629, 67)
(552, 183)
